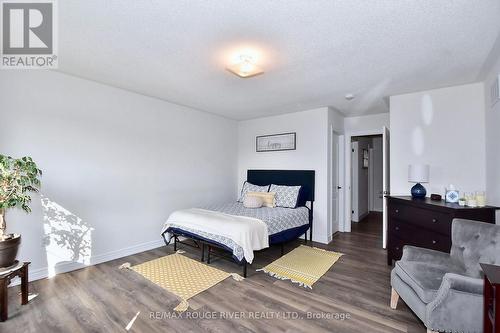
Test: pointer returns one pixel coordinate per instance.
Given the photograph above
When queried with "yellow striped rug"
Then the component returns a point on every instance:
(182, 276)
(303, 265)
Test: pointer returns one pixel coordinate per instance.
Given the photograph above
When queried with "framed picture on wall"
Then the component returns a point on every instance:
(365, 158)
(276, 142)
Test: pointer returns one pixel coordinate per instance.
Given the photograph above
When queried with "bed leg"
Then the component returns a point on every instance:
(175, 243)
(305, 237)
(202, 252)
(244, 268)
(164, 239)
(311, 235)
(282, 248)
(208, 254)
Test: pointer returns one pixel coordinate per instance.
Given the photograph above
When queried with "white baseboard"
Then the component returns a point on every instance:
(126, 251)
(321, 239)
(330, 238)
(42, 273)
(360, 217)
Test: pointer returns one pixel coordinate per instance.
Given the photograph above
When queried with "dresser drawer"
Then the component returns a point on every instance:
(409, 234)
(420, 217)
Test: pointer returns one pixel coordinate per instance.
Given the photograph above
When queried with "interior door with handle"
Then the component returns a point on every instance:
(334, 227)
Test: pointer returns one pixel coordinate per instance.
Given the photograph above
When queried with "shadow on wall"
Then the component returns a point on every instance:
(67, 238)
(418, 133)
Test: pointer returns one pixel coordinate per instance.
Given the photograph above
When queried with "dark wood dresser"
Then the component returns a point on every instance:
(426, 223)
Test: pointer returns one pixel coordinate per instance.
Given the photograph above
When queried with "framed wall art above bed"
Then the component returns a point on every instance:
(276, 142)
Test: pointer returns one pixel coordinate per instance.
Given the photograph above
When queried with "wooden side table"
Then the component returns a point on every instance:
(5, 279)
(491, 298)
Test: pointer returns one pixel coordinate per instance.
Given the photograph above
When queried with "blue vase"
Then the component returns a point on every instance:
(418, 191)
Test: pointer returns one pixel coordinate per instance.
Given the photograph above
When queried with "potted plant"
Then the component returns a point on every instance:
(18, 178)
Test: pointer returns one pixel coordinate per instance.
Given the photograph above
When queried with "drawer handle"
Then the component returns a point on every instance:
(434, 242)
(397, 248)
(434, 220)
(397, 210)
(396, 228)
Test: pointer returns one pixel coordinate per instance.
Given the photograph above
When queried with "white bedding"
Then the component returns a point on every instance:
(248, 232)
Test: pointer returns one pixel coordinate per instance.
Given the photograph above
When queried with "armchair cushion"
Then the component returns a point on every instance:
(423, 278)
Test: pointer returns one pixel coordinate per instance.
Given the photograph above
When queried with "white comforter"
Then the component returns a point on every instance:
(249, 233)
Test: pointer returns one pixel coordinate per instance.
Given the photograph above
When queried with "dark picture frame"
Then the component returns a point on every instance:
(276, 142)
(366, 158)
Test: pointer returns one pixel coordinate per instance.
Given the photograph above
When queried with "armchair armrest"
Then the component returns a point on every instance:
(413, 253)
(462, 283)
(457, 306)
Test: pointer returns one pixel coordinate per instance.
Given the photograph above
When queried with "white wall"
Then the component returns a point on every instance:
(444, 128)
(115, 165)
(365, 125)
(492, 142)
(312, 129)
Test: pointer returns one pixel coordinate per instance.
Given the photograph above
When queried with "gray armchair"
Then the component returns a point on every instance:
(446, 290)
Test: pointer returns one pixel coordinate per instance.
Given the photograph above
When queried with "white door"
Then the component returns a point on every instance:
(386, 186)
(355, 182)
(335, 183)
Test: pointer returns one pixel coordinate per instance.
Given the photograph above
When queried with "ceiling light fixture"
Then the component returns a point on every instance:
(349, 97)
(244, 66)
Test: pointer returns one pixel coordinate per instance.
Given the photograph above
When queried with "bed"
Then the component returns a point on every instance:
(282, 224)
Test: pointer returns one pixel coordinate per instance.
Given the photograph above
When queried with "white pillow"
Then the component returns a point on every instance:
(251, 201)
(286, 196)
(249, 187)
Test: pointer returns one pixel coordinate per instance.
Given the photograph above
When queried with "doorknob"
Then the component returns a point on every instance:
(339, 187)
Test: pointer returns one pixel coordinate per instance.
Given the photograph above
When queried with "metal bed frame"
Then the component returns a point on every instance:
(304, 178)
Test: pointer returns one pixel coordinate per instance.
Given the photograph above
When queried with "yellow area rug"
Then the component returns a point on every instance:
(182, 276)
(303, 265)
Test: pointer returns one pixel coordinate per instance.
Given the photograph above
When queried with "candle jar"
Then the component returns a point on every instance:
(471, 199)
(481, 198)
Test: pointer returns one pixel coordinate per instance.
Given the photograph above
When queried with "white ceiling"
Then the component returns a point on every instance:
(313, 52)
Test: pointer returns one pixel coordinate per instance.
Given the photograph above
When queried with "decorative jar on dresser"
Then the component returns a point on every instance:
(426, 223)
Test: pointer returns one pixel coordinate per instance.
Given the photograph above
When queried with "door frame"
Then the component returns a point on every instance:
(371, 181)
(345, 224)
(341, 176)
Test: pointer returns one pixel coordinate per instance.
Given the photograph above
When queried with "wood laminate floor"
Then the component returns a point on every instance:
(352, 297)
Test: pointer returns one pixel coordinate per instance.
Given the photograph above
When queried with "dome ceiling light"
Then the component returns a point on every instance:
(244, 66)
